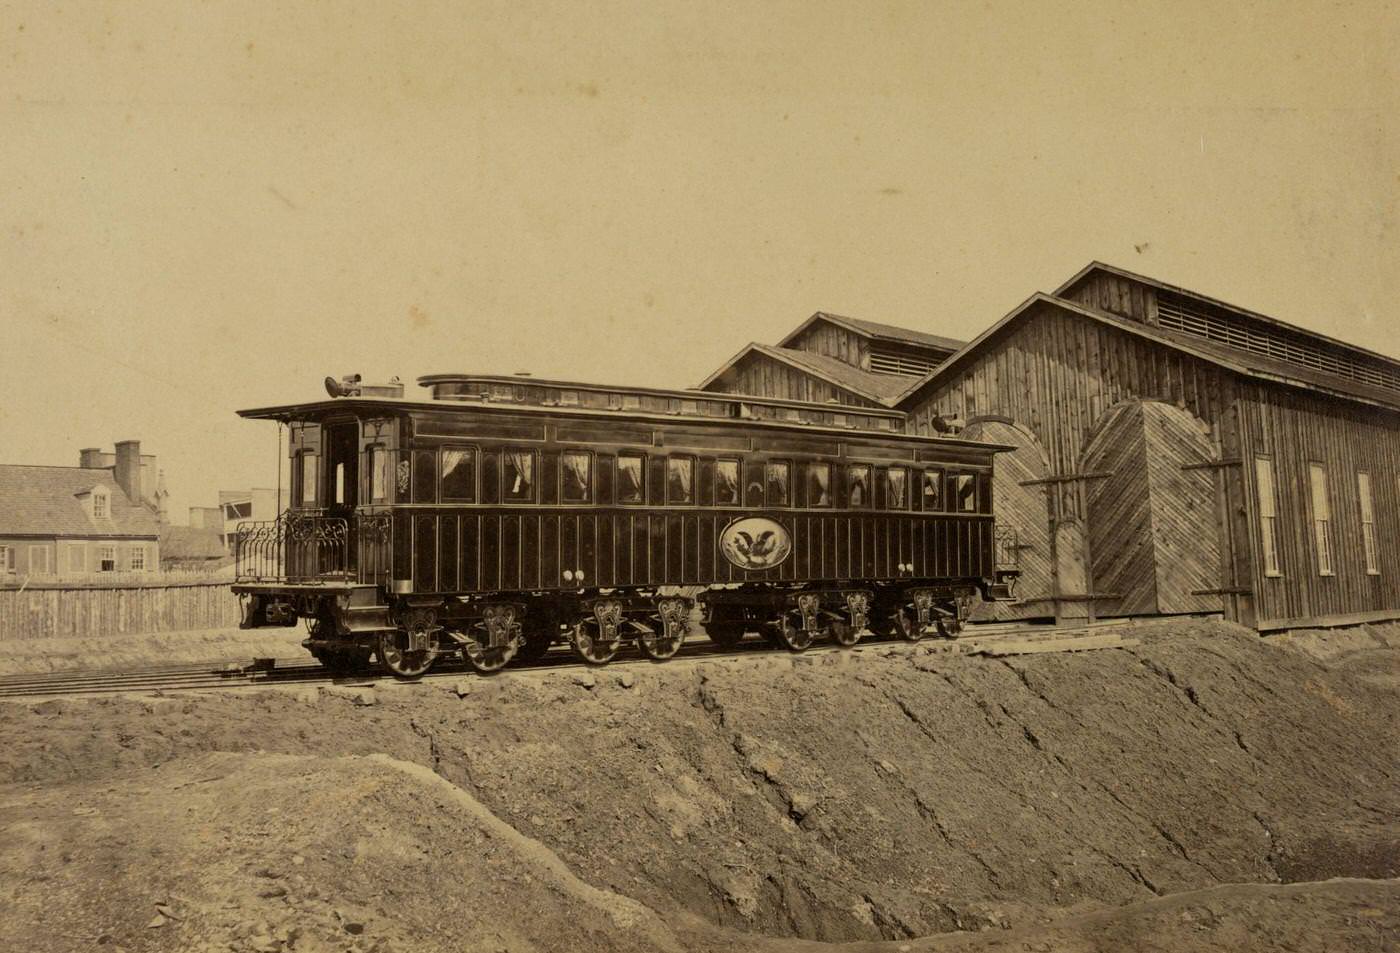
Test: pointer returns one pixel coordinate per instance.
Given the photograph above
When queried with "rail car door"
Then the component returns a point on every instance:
(342, 478)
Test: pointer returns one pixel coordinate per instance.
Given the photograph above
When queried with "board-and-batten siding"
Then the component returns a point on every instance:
(826, 338)
(1294, 428)
(763, 376)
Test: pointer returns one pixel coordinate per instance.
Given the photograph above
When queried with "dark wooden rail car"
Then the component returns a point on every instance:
(504, 514)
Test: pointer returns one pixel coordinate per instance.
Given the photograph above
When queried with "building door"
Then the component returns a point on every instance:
(1019, 501)
(1153, 537)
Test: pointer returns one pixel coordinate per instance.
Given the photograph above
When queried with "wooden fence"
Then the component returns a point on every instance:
(88, 610)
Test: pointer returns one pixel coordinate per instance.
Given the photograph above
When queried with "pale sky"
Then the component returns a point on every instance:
(209, 206)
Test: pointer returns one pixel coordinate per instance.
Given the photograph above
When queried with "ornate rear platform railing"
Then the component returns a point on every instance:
(293, 548)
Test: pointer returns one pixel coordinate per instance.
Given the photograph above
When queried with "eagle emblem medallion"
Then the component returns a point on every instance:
(755, 542)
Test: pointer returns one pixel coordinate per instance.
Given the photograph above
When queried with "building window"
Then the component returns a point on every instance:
(138, 559)
(39, 561)
(896, 484)
(101, 507)
(7, 559)
(1368, 523)
(1322, 518)
(378, 475)
(858, 489)
(727, 483)
(519, 484)
(577, 476)
(680, 483)
(1268, 515)
(107, 559)
(933, 491)
(458, 468)
(630, 488)
(818, 484)
(77, 558)
(778, 476)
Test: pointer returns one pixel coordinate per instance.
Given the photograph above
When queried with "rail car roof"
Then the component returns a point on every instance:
(461, 404)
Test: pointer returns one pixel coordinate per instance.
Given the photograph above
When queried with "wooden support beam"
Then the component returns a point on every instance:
(1212, 464)
(1067, 478)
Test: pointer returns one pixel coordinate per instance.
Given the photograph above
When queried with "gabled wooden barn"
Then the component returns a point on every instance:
(1177, 454)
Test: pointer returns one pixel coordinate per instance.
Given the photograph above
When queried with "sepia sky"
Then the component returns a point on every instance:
(208, 206)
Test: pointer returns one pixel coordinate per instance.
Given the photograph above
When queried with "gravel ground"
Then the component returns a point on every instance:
(1115, 799)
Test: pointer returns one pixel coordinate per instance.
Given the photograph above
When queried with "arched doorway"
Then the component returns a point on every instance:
(1020, 507)
(1154, 538)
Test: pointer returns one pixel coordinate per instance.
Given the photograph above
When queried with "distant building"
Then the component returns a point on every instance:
(191, 548)
(237, 506)
(101, 516)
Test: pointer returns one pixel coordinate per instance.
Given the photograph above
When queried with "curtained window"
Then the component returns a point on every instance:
(680, 480)
(778, 477)
(896, 480)
(727, 483)
(818, 484)
(629, 479)
(519, 473)
(859, 489)
(577, 477)
(933, 490)
(458, 475)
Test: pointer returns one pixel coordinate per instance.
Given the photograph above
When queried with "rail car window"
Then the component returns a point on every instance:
(308, 479)
(378, 474)
(576, 477)
(458, 466)
(962, 492)
(726, 482)
(818, 484)
(778, 477)
(933, 491)
(896, 485)
(629, 479)
(425, 467)
(680, 480)
(518, 476)
(858, 488)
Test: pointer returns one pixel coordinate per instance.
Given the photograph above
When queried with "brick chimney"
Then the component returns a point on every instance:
(90, 458)
(127, 472)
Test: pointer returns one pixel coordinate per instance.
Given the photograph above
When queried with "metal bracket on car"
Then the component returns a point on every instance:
(808, 605)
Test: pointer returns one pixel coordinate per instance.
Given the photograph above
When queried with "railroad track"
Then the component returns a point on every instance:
(267, 673)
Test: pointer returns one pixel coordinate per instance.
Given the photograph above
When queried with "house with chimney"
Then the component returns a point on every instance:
(103, 515)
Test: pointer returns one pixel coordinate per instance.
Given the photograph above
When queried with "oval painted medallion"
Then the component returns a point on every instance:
(755, 542)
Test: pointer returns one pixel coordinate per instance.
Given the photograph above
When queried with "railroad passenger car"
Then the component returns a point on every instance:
(504, 514)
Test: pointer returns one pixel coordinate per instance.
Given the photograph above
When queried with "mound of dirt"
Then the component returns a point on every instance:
(886, 794)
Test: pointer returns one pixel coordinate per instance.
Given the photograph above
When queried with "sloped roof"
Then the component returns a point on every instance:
(190, 542)
(1247, 363)
(880, 388)
(875, 329)
(1094, 266)
(44, 501)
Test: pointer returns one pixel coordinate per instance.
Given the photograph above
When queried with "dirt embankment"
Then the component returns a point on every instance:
(678, 807)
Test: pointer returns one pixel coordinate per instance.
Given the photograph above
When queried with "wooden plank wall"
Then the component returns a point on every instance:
(826, 338)
(97, 613)
(1120, 516)
(1295, 428)
(1185, 530)
(1116, 295)
(760, 375)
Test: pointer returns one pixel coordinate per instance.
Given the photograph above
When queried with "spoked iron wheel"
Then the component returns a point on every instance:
(842, 633)
(486, 659)
(949, 626)
(584, 640)
(905, 625)
(656, 645)
(788, 636)
(399, 661)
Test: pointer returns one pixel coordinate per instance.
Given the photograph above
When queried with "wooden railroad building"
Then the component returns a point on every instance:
(1177, 454)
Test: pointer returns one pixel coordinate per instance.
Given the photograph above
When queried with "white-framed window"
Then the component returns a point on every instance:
(1322, 518)
(138, 558)
(101, 506)
(106, 559)
(1268, 515)
(7, 559)
(39, 564)
(77, 558)
(1368, 523)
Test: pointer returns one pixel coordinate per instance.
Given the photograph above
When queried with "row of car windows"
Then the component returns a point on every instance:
(469, 475)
